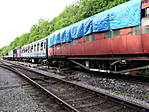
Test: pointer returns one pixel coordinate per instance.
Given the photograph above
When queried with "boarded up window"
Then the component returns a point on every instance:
(115, 33)
(74, 42)
(107, 35)
(90, 38)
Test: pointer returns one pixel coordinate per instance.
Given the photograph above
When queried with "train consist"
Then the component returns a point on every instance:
(116, 40)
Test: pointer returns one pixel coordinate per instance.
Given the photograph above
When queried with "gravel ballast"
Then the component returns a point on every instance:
(131, 91)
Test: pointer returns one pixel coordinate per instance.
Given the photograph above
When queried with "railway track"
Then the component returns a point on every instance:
(76, 97)
(54, 103)
(19, 95)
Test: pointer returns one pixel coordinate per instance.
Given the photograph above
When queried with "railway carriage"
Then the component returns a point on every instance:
(38, 49)
(10, 55)
(17, 54)
(35, 51)
(115, 40)
(25, 51)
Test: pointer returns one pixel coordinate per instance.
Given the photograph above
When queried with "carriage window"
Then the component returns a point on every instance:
(107, 34)
(34, 47)
(74, 42)
(90, 38)
(38, 47)
(145, 12)
(41, 46)
(136, 30)
(115, 33)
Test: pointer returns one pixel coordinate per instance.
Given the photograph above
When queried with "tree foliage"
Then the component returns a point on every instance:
(71, 14)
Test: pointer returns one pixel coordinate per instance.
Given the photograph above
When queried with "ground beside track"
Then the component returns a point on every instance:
(17, 95)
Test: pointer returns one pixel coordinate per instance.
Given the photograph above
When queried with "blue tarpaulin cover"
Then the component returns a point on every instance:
(124, 15)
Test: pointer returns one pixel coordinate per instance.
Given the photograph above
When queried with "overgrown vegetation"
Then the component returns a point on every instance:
(71, 14)
(143, 73)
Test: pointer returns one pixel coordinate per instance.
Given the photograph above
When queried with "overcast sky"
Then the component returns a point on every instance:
(17, 16)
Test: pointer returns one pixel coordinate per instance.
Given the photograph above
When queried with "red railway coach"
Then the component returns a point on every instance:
(17, 54)
(117, 50)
